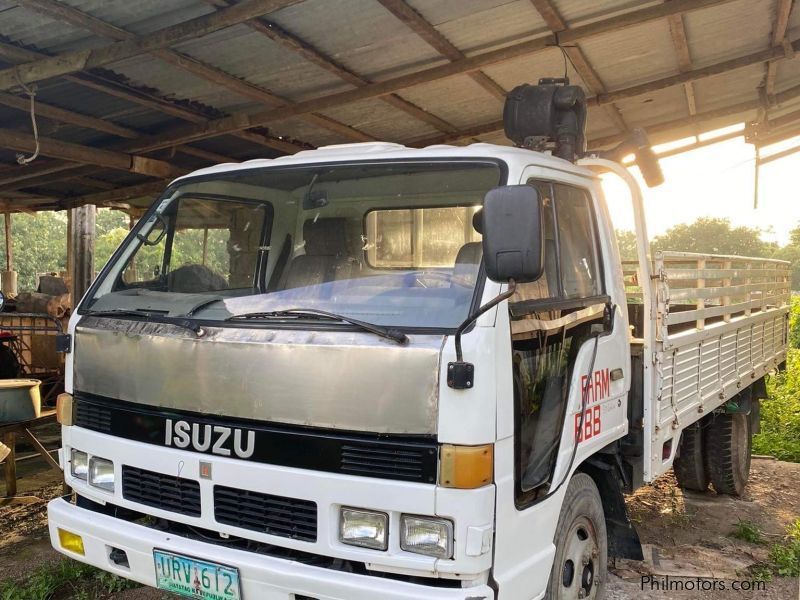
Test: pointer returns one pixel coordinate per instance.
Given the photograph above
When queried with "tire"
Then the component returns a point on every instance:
(690, 464)
(581, 559)
(728, 445)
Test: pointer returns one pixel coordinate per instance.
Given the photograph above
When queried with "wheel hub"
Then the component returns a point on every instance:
(580, 562)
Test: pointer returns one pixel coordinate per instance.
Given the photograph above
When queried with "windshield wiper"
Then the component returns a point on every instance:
(150, 316)
(313, 313)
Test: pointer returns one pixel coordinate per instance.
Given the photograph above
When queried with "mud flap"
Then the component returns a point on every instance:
(623, 540)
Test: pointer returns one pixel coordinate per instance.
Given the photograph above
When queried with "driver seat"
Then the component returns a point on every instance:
(326, 257)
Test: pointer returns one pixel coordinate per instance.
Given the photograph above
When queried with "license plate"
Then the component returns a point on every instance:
(196, 578)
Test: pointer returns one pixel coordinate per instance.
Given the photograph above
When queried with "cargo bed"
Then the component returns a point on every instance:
(719, 323)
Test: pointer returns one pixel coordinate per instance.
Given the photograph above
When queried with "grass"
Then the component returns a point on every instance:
(784, 556)
(780, 415)
(747, 531)
(65, 579)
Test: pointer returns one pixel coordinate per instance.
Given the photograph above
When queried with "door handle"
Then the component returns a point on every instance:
(616, 374)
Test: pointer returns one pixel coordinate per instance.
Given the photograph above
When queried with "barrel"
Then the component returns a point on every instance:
(19, 400)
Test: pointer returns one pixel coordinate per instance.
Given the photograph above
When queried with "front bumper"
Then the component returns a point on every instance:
(262, 577)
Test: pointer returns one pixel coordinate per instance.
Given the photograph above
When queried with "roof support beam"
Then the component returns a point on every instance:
(66, 116)
(119, 194)
(417, 23)
(294, 44)
(238, 122)
(735, 109)
(85, 154)
(783, 9)
(80, 60)
(117, 90)
(681, 44)
(57, 10)
(579, 60)
(772, 54)
(732, 112)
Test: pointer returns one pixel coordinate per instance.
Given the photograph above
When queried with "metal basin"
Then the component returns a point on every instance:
(19, 400)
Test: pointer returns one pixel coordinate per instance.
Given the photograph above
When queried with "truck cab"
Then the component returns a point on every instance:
(261, 400)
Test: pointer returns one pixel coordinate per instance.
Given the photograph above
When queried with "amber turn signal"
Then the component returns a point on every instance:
(71, 541)
(466, 467)
(64, 409)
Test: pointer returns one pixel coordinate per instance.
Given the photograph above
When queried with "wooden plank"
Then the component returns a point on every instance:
(240, 121)
(80, 60)
(9, 243)
(579, 61)
(82, 241)
(10, 467)
(40, 449)
(57, 10)
(685, 316)
(119, 194)
(681, 44)
(783, 9)
(86, 154)
(115, 89)
(674, 274)
(419, 25)
(66, 116)
(302, 48)
(701, 283)
(708, 293)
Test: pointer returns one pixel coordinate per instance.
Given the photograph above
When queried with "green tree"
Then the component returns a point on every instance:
(39, 246)
(715, 236)
(791, 252)
(626, 241)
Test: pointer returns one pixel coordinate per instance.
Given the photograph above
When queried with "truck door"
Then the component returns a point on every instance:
(570, 369)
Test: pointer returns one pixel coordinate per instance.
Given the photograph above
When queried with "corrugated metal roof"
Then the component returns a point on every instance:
(364, 37)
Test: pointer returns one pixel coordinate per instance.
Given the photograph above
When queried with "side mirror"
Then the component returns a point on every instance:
(513, 242)
(2, 301)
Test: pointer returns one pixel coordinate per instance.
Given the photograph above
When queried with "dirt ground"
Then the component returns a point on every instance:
(688, 535)
(683, 535)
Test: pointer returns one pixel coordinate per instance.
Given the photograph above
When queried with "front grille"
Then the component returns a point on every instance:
(275, 515)
(392, 463)
(165, 492)
(92, 416)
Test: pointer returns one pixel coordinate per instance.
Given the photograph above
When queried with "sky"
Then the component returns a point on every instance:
(717, 181)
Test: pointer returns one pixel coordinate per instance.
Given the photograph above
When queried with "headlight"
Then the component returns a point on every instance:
(101, 473)
(425, 535)
(363, 528)
(79, 464)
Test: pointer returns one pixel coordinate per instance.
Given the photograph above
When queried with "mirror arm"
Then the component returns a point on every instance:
(512, 287)
(460, 374)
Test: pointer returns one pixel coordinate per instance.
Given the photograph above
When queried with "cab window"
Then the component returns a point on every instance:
(550, 320)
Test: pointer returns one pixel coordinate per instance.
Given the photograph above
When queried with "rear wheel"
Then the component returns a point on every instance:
(689, 466)
(728, 444)
(579, 567)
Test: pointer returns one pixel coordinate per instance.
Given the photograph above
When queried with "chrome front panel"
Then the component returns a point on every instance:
(337, 379)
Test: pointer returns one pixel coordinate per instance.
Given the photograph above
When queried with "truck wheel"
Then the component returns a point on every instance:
(728, 444)
(579, 567)
(689, 466)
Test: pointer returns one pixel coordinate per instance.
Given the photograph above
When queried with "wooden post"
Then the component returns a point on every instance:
(701, 283)
(726, 300)
(9, 439)
(205, 245)
(9, 244)
(82, 242)
(748, 297)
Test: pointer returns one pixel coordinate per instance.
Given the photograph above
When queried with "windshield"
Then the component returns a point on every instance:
(387, 243)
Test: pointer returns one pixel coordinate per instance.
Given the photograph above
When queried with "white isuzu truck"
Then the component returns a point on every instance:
(371, 371)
